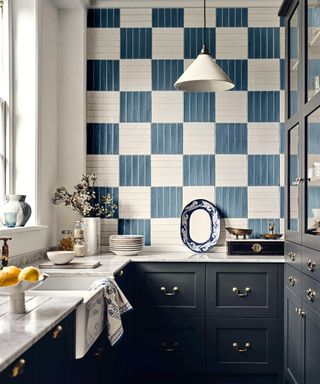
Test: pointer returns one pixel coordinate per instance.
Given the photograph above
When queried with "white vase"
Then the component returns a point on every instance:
(92, 232)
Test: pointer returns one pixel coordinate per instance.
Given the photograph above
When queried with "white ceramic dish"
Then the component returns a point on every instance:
(60, 257)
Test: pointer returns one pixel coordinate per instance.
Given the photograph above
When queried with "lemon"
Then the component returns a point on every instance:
(7, 278)
(12, 269)
(29, 274)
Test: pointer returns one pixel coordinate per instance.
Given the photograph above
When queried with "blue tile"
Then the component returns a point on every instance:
(313, 138)
(313, 199)
(282, 21)
(282, 202)
(166, 202)
(294, 225)
(103, 18)
(199, 107)
(231, 138)
(237, 70)
(293, 100)
(264, 106)
(313, 17)
(198, 170)
(135, 170)
(102, 75)
(135, 107)
(167, 17)
(193, 41)
(165, 73)
(282, 73)
(264, 43)
(232, 17)
(263, 170)
(166, 139)
(135, 227)
(114, 192)
(232, 201)
(282, 138)
(102, 139)
(136, 43)
(260, 226)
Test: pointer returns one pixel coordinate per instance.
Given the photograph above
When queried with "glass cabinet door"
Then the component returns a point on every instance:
(293, 63)
(313, 47)
(293, 180)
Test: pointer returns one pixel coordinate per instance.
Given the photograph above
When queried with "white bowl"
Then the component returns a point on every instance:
(60, 257)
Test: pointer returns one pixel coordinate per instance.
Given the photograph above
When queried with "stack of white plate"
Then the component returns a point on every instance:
(126, 245)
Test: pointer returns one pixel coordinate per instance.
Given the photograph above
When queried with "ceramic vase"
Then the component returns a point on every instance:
(92, 232)
(17, 204)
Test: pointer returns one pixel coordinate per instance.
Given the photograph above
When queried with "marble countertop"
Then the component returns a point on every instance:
(19, 332)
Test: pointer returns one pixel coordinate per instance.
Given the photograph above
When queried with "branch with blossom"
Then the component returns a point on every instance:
(83, 199)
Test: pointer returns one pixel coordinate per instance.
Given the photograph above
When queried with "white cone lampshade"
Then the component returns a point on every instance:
(204, 75)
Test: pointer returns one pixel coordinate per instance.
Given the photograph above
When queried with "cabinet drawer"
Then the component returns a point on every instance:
(293, 279)
(169, 289)
(293, 254)
(311, 292)
(170, 345)
(311, 262)
(242, 345)
(241, 290)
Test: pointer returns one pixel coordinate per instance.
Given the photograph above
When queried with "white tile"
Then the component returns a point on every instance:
(263, 74)
(134, 202)
(198, 192)
(294, 202)
(135, 75)
(263, 17)
(166, 170)
(106, 168)
(231, 107)
(167, 43)
(198, 138)
(263, 202)
(282, 43)
(103, 107)
(232, 43)
(135, 17)
(167, 107)
(231, 170)
(165, 232)
(108, 227)
(193, 17)
(282, 170)
(282, 106)
(103, 43)
(134, 138)
(263, 138)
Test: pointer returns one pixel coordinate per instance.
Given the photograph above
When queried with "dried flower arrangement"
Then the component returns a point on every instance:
(83, 199)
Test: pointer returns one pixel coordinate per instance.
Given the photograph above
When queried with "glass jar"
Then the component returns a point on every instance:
(66, 240)
(79, 248)
(78, 232)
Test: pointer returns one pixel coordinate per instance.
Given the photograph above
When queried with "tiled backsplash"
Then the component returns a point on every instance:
(155, 148)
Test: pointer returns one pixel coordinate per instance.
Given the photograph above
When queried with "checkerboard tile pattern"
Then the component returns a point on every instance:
(155, 148)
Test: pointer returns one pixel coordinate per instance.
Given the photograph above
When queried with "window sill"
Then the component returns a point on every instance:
(4, 231)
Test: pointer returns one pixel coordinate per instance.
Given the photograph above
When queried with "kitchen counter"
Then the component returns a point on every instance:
(19, 332)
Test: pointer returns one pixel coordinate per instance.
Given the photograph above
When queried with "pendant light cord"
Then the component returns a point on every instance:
(204, 22)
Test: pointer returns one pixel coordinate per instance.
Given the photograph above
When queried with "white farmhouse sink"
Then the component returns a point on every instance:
(90, 315)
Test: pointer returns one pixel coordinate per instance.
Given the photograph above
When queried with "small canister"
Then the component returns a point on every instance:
(66, 240)
(78, 232)
(79, 248)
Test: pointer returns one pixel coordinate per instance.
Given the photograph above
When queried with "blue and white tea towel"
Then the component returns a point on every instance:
(117, 304)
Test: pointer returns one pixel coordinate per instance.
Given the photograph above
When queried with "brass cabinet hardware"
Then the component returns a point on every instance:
(311, 294)
(257, 248)
(292, 256)
(291, 280)
(311, 265)
(241, 350)
(121, 273)
(57, 332)
(238, 292)
(300, 312)
(174, 291)
(169, 348)
(18, 369)
(99, 352)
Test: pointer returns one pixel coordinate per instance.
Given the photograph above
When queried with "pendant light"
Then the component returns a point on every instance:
(204, 74)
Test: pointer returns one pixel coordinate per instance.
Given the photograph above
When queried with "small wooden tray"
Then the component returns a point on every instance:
(74, 264)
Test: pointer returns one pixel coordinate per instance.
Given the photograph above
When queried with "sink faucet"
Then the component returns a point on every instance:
(5, 251)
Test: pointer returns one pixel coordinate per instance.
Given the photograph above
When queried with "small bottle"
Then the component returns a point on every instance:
(66, 240)
(79, 248)
(78, 232)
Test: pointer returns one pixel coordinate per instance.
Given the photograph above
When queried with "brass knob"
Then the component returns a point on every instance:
(257, 248)
(300, 312)
(121, 273)
(171, 348)
(291, 280)
(311, 265)
(57, 332)
(172, 293)
(292, 256)
(99, 352)
(18, 369)
(241, 350)
(311, 294)
(238, 292)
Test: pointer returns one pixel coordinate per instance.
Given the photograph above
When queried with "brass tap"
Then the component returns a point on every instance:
(5, 251)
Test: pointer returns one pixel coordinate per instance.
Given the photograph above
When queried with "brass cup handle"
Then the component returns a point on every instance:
(311, 265)
(241, 350)
(57, 332)
(171, 348)
(291, 280)
(257, 248)
(311, 294)
(99, 352)
(18, 369)
(121, 273)
(292, 256)
(300, 312)
(174, 291)
(238, 292)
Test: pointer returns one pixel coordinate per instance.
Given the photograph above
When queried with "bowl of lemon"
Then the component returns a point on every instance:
(15, 281)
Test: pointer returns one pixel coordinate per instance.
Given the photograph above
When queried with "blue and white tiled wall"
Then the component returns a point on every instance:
(156, 148)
